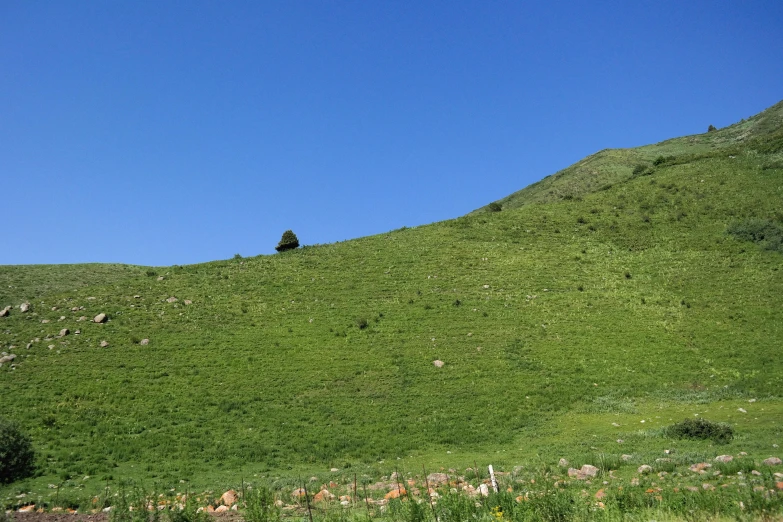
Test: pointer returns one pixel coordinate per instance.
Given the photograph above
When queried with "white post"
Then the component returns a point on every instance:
(492, 477)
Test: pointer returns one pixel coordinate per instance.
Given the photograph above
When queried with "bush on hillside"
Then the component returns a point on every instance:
(16, 453)
(495, 207)
(641, 170)
(764, 232)
(289, 241)
(703, 429)
(711, 128)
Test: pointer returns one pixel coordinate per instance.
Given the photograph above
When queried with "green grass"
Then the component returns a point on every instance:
(555, 318)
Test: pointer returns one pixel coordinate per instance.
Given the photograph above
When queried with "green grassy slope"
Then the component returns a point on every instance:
(25, 282)
(554, 319)
(611, 166)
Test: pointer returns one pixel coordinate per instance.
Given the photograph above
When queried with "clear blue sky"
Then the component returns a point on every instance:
(175, 132)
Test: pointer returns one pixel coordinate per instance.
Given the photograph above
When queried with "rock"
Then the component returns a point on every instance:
(334, 470)
(298, 494)
(724, 458)
(188, 302)
(584, 473)
(210, 509)
(742, 410)
(483, 490)
(626, 458)
(323, 496)
(395, 493)
(235, 508)
(161, 278)
(144, 342)
(772, 461)
(104, 344)
(644, 469)
(229, 498)
(137, 297)
(437, 478)
(563, 463)
(171, 299)
(45, 321)
(26, 509)
(64, 332)
(5, 311)
(700, 467)
(438, 363)
(7, 358)
(100, 318)
(221, 509)
(589, 471)
(24, 307)
(62, 318)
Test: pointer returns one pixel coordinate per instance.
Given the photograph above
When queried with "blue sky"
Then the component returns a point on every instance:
(176, 132)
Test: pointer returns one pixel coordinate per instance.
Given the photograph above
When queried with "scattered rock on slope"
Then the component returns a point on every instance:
(24, 307)
(5, 311)
(100, 318)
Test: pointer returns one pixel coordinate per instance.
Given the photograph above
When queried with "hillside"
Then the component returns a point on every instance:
(611, 166)
(598, 305)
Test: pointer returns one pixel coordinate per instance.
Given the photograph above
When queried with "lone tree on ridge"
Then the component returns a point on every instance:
(289, 241)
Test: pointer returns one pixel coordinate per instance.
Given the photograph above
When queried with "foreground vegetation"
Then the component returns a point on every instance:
(642, 287)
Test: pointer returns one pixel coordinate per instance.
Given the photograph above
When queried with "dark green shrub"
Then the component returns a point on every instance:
(702, 429)
(16, 453)
(661, 160)
(289, 241)
(711, 128)
(261, 506)
(641, 170)
(362, 323)
(764, 232)
(495, 207)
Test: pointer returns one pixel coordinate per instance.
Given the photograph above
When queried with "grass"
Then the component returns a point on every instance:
(618, 304)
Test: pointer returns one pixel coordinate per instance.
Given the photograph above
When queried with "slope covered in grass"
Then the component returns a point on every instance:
(553, 318)
(25, 282)
(608, 167)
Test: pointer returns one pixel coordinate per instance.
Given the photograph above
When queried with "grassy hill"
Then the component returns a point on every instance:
(631, 290)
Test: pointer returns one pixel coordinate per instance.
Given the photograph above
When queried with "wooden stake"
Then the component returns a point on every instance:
(366, 500)
(427, 482)
(307, 498)
(492, 478)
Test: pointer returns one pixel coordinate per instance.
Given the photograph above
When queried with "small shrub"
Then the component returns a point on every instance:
(151, 273)
(361, 322)
(711, 128)
(261, 506)
(495, 207)
(289, 241)
(237, 256)
(764, 232)
(16, 453)
(661, 160)
(703, 429)
(641, 170)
